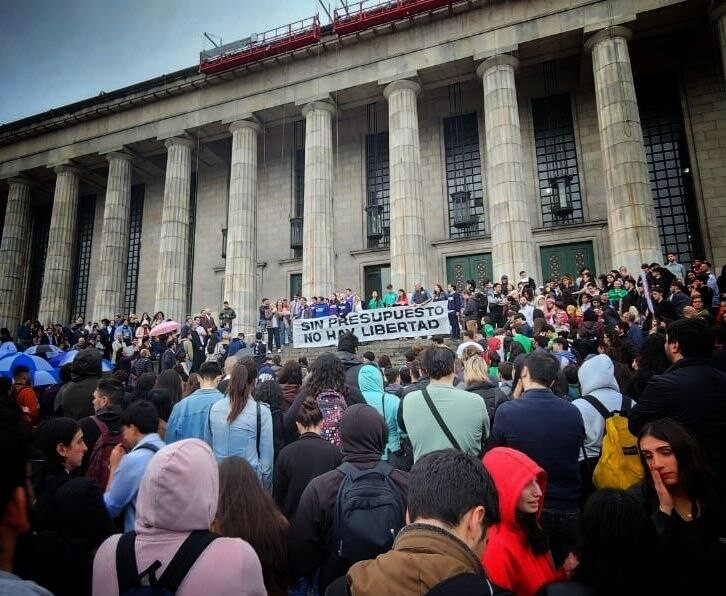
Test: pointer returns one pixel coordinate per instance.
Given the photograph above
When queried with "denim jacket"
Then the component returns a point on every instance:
(240, 436)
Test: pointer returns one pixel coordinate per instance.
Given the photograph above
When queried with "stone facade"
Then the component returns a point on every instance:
(245, 173)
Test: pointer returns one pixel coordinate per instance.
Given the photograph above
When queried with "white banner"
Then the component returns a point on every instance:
(374, 325)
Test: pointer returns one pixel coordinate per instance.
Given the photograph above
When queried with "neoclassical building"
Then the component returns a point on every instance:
(411, 140)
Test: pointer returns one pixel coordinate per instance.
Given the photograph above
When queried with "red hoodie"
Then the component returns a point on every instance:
(508, 559)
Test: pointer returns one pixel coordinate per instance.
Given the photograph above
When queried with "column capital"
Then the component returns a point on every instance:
(498, 60)
(607, 33)
(122, 155)
(718, 12)
(249, 124)
(402, 84)
(19, 180)
(183, 141)
(67, 169)
(324, 104)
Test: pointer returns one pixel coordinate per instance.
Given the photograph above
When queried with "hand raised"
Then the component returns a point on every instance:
(664, 497)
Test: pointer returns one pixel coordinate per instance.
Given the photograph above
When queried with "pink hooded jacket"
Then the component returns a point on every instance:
(178, 494)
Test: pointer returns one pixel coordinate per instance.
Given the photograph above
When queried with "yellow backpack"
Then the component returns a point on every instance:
(619, 463)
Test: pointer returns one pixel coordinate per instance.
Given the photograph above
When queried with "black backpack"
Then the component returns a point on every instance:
(369, 512)
(129, 578)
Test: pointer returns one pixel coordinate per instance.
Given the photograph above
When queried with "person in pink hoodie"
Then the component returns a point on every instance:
(178, 494)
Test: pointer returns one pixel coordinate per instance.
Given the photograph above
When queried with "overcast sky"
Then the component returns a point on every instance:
(55, 52)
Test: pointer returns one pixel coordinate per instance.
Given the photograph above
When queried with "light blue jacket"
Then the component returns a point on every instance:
(125, 488)
(240, 436)
(370, 383)
(190, 416)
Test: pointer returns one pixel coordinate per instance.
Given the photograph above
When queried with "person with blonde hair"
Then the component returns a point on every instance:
(477, 380)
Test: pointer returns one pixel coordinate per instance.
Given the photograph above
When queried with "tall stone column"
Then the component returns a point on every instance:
(408, 245)
(719, 16)
(111, 284)
(318, 276)
(239, 275)
(509, 221)
(14, 253)
(172, 282)
(57, 291)
(632, 222)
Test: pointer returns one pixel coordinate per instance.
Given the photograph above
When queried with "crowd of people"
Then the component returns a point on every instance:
(568, 438)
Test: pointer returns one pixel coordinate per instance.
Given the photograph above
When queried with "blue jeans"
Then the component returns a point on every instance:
(283, 333)
(302, 587)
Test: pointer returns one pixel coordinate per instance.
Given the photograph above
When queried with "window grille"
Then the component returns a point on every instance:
(464, 181)
(84, 245)
(669, 167)
(133, 262)
(377, 187)
(557, 172)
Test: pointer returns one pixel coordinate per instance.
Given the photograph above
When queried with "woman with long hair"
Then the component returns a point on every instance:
(290, 378)
(517, 557)
(158, 318)
(401, 298)
(172, 382)
(143, 385)
(70, 517)
(617, 550)
(247, 511)
(239, 425)
(270, 393)
(374, 301)
(651, 360)
(326, 377)
(686, 501)
(477, 380)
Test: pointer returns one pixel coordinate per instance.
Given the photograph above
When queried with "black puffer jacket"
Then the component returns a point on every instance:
(490, 393)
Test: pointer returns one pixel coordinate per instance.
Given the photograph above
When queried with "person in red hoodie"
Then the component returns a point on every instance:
(517, 556)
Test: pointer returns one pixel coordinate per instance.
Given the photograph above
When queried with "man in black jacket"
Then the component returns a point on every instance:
(107, 399)
(363, 436)
(691, 391)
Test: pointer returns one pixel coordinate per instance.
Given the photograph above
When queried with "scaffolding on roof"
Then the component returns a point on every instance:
(259, 46)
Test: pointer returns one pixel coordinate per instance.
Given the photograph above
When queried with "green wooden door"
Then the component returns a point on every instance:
(566, 258)
(296, 285)
(376, 277)
(460, 269)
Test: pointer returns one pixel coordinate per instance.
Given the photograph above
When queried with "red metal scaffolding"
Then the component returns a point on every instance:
(369, 13)
(263, 45)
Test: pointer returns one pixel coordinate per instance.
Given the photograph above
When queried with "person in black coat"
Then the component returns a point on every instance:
(691, 391)
(326, 373)
(270, 392)
(305, 459)
(363, 436)
(70, 520)
(685, 501)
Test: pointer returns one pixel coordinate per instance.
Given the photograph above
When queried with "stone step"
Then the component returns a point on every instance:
(393, 348)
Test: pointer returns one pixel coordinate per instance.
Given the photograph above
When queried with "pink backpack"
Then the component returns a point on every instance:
(332, 405)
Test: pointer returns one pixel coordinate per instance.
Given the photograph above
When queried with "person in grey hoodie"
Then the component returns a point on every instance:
(597, 378)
